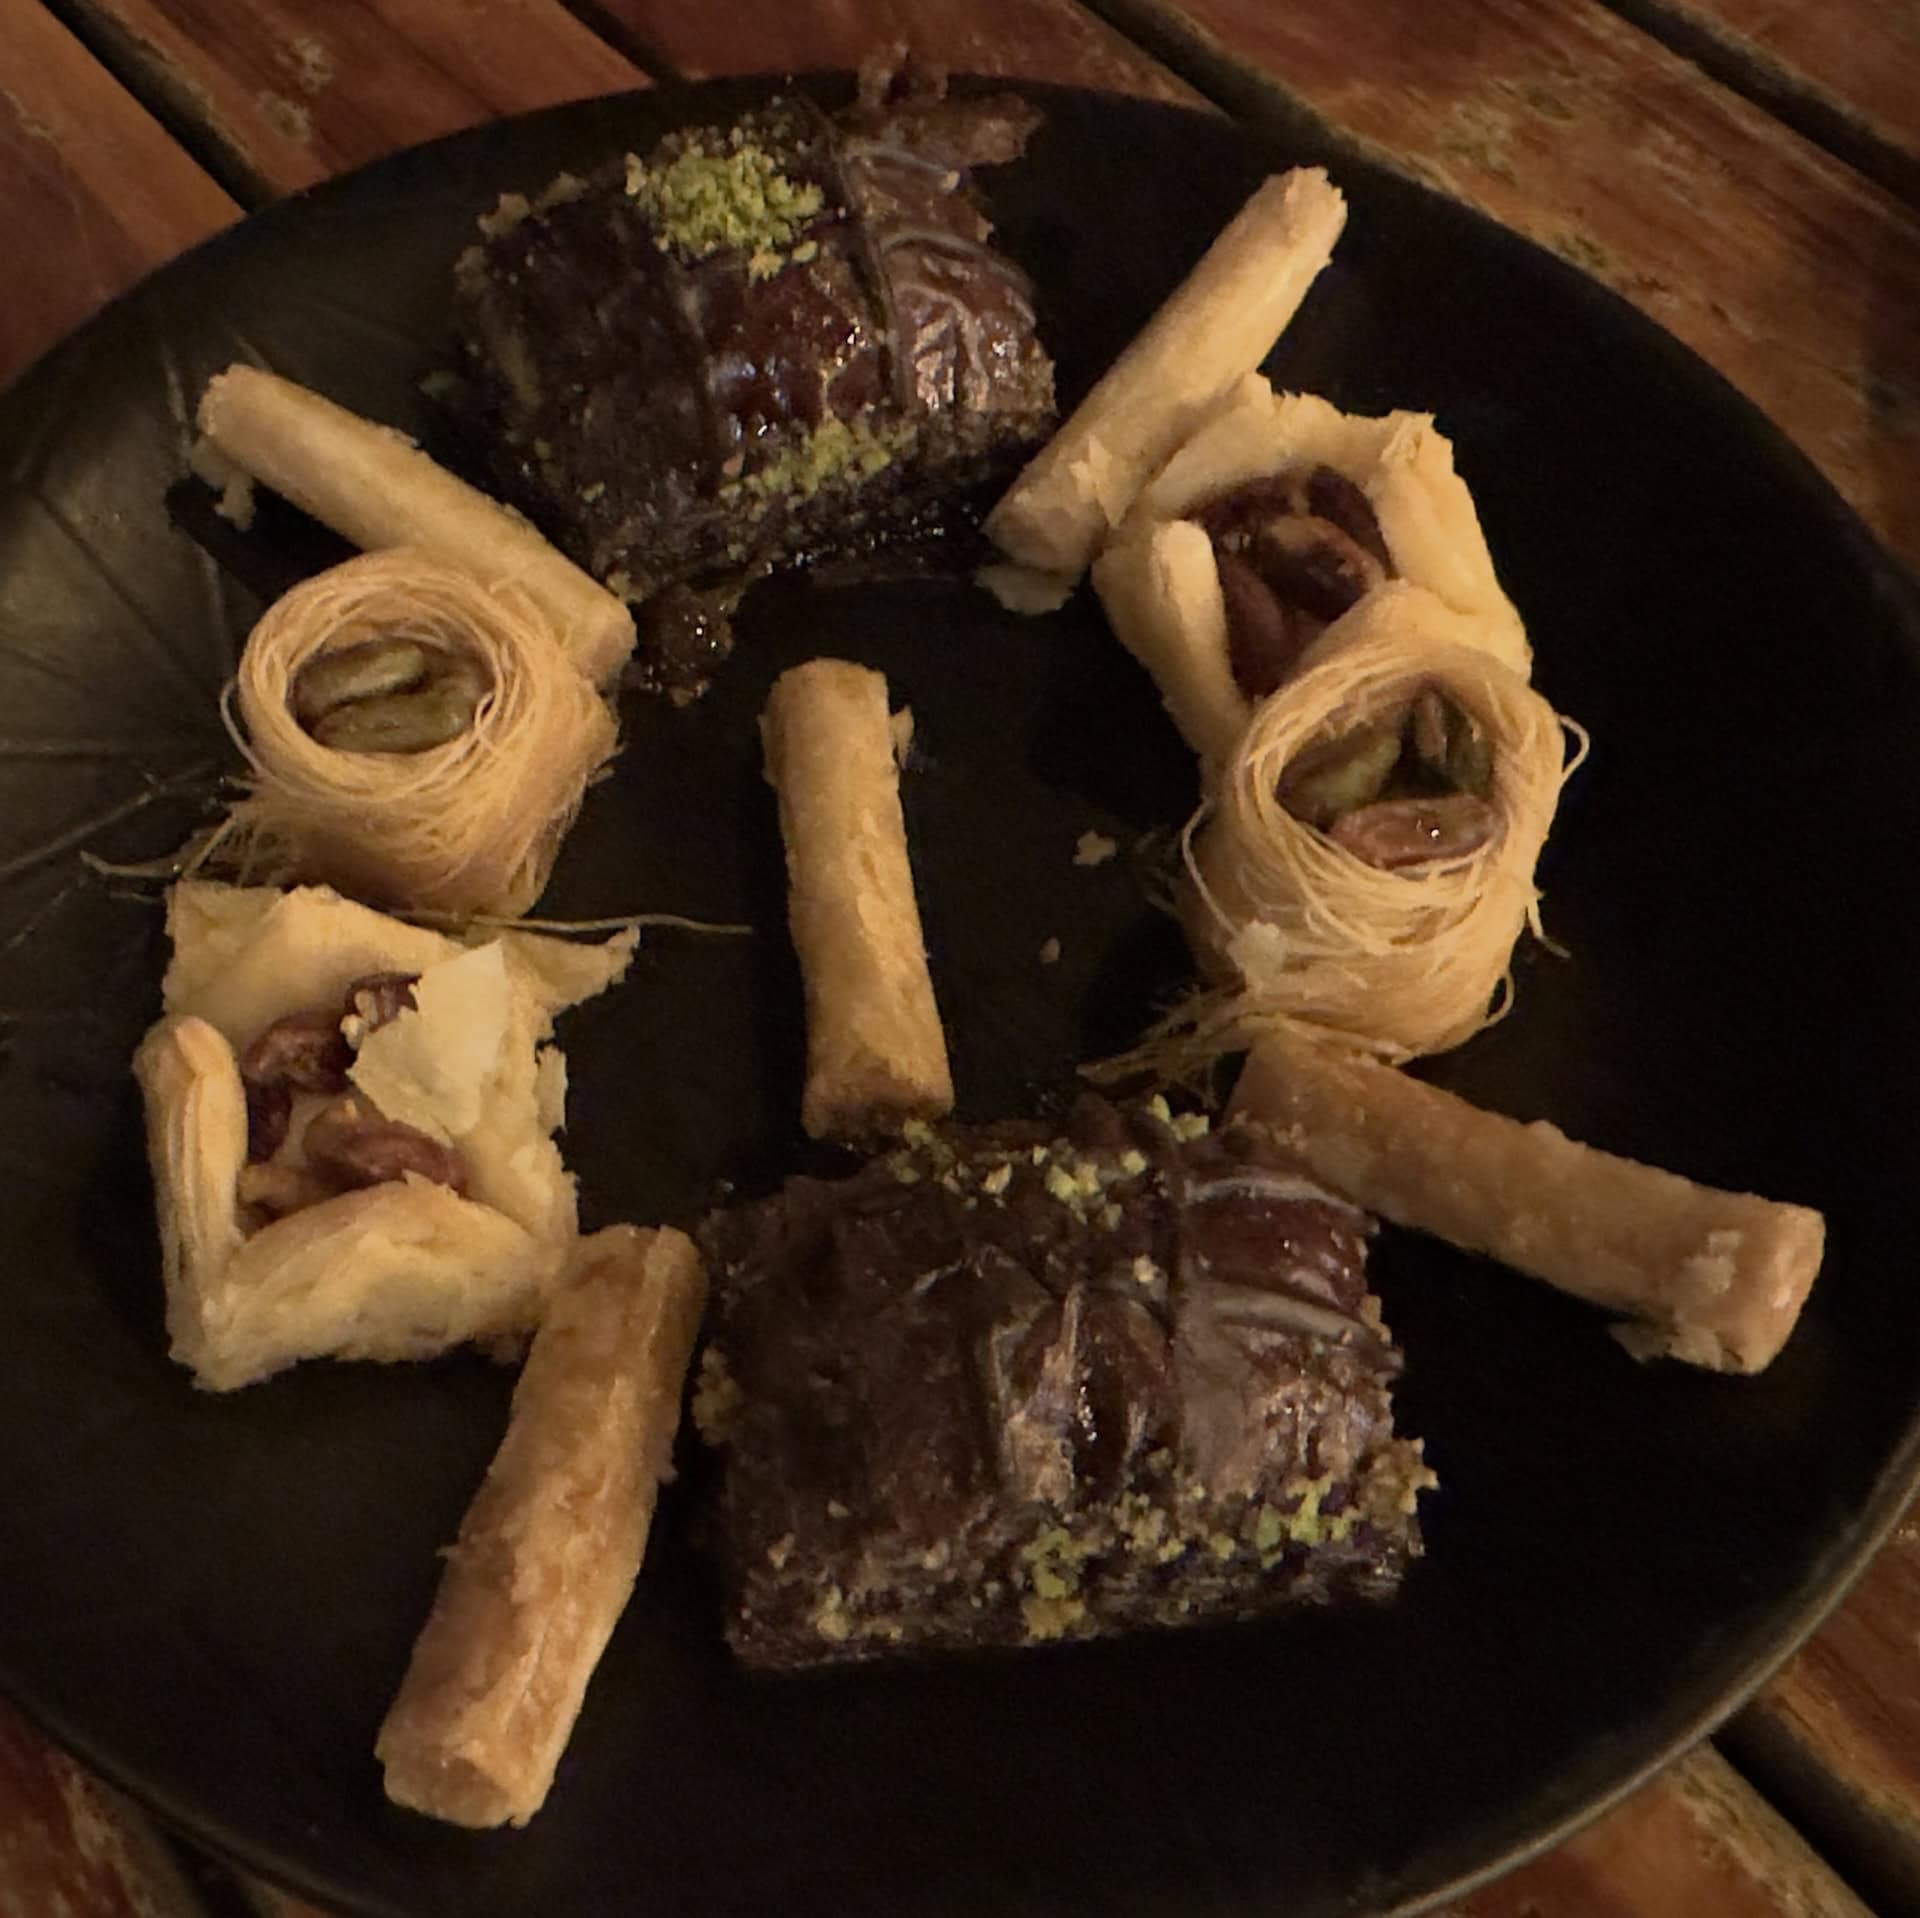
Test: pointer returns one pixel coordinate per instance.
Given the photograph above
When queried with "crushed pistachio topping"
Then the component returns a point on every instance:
(834, 450)
(717, 1397)
(715, 194)
(1052, 1617)
(508, 211)
(1051, 1561)
(830, 1618)
(1185, 1126)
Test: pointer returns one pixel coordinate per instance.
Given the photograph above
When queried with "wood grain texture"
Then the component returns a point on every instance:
(280, 94)
(1794, 276)
(1697, 1841)
(93, 194)
(1846, 75)
(71, 1849)
(1012, 39)
(1837, 1735)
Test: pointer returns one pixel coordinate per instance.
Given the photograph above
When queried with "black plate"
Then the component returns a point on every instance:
(213, 1598)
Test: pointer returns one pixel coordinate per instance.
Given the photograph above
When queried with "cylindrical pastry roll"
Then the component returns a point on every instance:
(416, 738)
(1389, 923)
(876, 1054)
(1219, 627)
(1714, 1278)
(550, 1547)
(374, 486)
(1214, 328)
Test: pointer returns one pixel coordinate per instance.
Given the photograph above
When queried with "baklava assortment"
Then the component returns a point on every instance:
(1001, 1383)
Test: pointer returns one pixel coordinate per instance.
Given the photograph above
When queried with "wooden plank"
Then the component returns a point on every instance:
(279, 94)
(1790, 273)
(92, 192)
(1836, 1737)
(69, 1848)
(1010, 39)
(1697, 1840)
(1848, 76)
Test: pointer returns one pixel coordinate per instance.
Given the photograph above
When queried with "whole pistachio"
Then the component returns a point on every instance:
(1336, 775)
(412, 722)
(370, 670)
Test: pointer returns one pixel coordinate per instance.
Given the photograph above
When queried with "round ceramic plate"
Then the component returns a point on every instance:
(212, 1598)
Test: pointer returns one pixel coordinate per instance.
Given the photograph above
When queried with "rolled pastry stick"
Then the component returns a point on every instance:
(1294, 928)
(876, 1054)
(549, 1549)
(375, 487)
(401, 1269)
(1160, 582)
(471, 824)
(1214, 328)
(1714, 1278)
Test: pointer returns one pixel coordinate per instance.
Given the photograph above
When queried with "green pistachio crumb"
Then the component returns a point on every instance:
(702, 201)
(833, 451)
(1052, 1617)
(831, 1618)
(717, 1397)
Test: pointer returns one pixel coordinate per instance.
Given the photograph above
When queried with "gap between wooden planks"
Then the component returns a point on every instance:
(92, 191)
(1837, 1734)
(275, 95)
(1846, 73)
(1056, 40)
(1780, 266)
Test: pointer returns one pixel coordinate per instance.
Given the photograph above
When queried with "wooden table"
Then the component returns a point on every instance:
(1746, 171)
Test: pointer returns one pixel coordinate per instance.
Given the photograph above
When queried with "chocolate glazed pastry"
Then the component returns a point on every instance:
(778, 340)
(1002, 1386)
